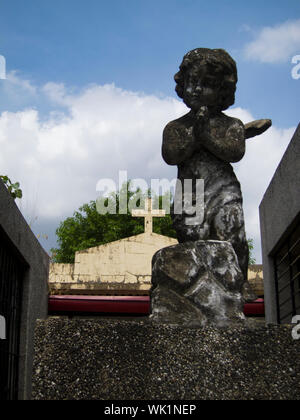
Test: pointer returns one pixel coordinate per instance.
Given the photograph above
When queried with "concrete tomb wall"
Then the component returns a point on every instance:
(279, 218)
(19, 240)
(121, 266)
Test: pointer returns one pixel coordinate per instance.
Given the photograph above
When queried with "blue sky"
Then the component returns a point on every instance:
(60, 53)
(138, 44)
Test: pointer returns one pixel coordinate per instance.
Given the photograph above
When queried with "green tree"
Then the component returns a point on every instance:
(252, 260)
(87, 228)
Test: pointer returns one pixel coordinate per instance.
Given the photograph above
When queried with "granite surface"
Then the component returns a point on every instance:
(111, 359)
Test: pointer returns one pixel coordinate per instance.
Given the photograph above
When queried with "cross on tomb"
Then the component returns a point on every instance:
(148, 214)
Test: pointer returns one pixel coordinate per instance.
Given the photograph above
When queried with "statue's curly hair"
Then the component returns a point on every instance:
(220, 64)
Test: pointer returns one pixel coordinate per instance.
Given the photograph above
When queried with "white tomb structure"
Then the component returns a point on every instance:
(120, 267)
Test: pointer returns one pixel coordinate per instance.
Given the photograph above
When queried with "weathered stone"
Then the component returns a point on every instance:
(203, 144)
(255, 128)
(197, 283)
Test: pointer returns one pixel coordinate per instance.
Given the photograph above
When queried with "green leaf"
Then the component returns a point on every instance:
(13, 189)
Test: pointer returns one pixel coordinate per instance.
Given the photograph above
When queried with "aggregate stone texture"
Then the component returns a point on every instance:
(110, 359)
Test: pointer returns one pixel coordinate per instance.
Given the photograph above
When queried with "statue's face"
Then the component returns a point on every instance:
(201, 88)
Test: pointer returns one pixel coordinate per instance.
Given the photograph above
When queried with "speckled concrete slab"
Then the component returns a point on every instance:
(110, 359)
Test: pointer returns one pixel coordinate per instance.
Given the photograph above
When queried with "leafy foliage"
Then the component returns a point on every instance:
(13, 189)
(252, 260)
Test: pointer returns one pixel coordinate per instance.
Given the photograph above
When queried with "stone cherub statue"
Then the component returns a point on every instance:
(202, 144)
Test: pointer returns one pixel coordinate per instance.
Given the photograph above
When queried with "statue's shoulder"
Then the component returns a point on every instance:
(224, 123)
(231, 121)
(182, 123)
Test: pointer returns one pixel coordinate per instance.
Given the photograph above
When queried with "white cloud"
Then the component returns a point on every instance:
(256, 169)
(17, 81)
(55, 92)
(59, 159)
(275, 44)
(104, 129)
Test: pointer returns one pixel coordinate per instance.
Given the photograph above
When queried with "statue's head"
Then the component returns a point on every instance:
(207, 78)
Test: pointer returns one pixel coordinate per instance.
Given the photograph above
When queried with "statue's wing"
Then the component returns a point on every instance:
(257, 127)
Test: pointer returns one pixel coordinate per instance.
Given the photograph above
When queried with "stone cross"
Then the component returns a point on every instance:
(148, 214)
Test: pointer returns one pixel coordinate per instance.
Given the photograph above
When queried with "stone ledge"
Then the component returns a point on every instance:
(99, 289)
(127, 359)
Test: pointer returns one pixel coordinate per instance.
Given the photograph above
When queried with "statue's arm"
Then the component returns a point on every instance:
(178, 143)
(226, 143)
